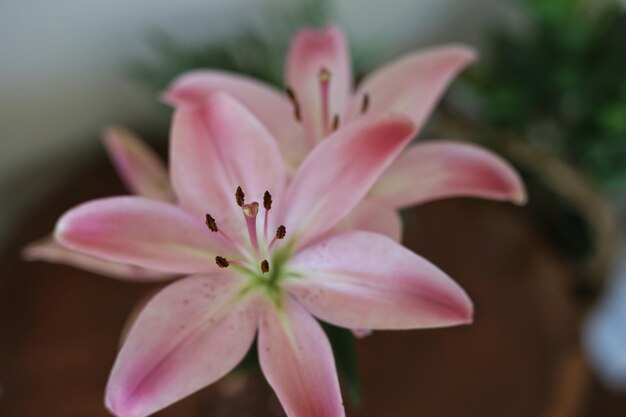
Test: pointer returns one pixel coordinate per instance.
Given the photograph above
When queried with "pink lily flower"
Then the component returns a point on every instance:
(263, 257)
(320, 99)
(144, 174)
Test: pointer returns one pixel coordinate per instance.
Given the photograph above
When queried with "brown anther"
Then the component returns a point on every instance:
(335, 122)
(281, 232)
(210, 222)
(291, 94)
(294, 102)
(250, 210)
(265, 266)
(221, 262)
(324, 75)
(365, 104)
(240, 197)
(267, 200)
(359, 80)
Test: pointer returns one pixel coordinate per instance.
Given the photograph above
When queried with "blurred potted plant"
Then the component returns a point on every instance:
(554, 98)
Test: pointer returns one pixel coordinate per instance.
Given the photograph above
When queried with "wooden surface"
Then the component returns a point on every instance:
(59, 328)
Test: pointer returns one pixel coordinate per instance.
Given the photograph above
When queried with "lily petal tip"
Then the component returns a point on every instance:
(30, 253)
(519, 197)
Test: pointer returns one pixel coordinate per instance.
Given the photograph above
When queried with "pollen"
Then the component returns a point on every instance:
(294, 102)
(336, 122)
(265, 266)
(240, 197)
(221, 262)
(365, 104)
(281, 232)
(267, 200)
(211, 223)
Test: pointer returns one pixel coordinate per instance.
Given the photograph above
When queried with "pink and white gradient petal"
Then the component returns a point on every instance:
(188, 336)
(373, 216)
(339, 172)
(413, 84)
(248, 153)
(441, 169)
(48, 250)
(297, 361)
(143, 232)
(364, 280)
(319, 72)
(138, 166)
(269, 105)
(216, 146)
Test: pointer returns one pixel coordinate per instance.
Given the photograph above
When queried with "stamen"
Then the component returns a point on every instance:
(250, 212)
(294, 102)
(211, 223)
(240, 197)
(221, 262)
(265, 266)
(267, 204)
(324, 78)
(365, 104)
(335, 122)
(280, 234)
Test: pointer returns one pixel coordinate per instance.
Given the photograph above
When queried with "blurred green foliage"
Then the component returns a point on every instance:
(562, 84)
(258, 50)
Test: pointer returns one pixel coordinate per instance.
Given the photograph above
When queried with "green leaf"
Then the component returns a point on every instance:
(344, 349)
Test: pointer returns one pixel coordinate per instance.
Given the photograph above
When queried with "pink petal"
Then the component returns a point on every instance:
(338, 173)
(143, 232)
(188, 336)
(441, 169)
(48, 250)
(140, 168)
(363, 280)
(413, 84)
(269, 105)
(216, 147)
(313, 51)
(374, 216)
(298, 362)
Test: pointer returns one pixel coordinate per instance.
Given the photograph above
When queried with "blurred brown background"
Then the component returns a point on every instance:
(59, 327)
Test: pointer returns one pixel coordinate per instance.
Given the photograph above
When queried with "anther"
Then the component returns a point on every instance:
(359, 80)
(335, 122)
(280, 234)
(294, 102)
(221, 262)
(267, 200)
(265, 266)
(365, 104)
(211, 223)
(240, 197)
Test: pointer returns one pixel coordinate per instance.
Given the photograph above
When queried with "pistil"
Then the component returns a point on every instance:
(250, 212)
(324, 79)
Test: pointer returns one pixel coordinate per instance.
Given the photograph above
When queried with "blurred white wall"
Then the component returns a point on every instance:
(63, 63)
